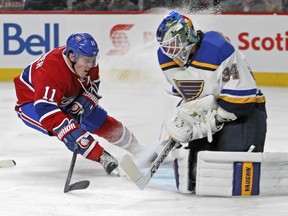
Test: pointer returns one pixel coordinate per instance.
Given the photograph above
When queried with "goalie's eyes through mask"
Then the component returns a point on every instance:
(172, 47)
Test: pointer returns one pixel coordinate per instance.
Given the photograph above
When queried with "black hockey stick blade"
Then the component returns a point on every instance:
(77, 186)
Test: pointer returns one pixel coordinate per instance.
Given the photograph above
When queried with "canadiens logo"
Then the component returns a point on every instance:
(76, 107)
(84, 143)
(66, 101)
(78, 37)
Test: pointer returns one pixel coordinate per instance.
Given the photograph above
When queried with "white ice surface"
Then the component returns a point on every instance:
(34, 187)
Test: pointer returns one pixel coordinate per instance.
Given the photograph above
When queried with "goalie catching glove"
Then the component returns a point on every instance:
(194, 120)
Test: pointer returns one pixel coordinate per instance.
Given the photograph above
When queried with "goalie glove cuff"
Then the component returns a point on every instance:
(224, 116)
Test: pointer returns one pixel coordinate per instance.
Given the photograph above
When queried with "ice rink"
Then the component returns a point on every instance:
(34, 187)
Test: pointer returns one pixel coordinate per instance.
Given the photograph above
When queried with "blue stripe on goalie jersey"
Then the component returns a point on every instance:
(213, 51)
(242, 93)
(25, 77)
(190, 89)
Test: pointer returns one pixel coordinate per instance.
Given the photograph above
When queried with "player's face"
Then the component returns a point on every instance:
(84, 64)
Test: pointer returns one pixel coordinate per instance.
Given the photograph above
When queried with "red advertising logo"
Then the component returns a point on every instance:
(120, 39)
(279, 42)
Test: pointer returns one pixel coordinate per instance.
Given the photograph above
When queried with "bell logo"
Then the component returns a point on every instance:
(120, 39)
(35, 44)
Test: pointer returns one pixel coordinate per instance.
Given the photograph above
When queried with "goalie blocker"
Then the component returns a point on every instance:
(241, 173)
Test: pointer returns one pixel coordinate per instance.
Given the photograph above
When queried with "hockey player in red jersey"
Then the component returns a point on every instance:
(56, 87)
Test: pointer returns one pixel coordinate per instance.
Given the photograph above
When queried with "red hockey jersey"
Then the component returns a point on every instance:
(51, 83)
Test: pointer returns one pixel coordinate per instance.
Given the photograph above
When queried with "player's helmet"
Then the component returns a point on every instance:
(176, 37)
(81, 44)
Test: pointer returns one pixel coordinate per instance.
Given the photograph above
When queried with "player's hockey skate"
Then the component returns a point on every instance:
(108, 162)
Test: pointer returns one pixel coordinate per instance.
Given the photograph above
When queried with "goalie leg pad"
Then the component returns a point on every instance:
(241, 173)
(183, 170)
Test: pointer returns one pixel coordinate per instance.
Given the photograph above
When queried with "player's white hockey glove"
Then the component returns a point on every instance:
(74, 138)
(193, 120)
(84, 103)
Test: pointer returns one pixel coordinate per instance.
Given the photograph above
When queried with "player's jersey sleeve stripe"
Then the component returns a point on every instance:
(25, 77)
(45, 109)
(31, 122)
(168, 65)
(165, 62)
(248, 92)
(238, 100)
(203, 65)
(45, 102)
(238, 96)
(48, 114)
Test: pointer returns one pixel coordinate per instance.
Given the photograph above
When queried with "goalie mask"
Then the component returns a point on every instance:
(176, 37)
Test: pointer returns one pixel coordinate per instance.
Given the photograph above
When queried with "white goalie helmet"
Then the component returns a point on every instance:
(176, 37)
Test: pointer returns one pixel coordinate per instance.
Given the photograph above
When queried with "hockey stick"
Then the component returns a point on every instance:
(7, 163)
(134, 173)
(80, 185)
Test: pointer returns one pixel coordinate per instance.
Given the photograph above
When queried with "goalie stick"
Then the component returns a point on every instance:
(80, 185)
(7, 163)
(134, 173)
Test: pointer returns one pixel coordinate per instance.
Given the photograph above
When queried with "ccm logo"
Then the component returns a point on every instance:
(279, 42)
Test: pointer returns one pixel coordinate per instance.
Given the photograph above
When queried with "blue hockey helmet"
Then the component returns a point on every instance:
(81, 44)
(176, 37)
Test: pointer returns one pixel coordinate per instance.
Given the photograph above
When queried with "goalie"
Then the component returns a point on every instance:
(221, 108)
